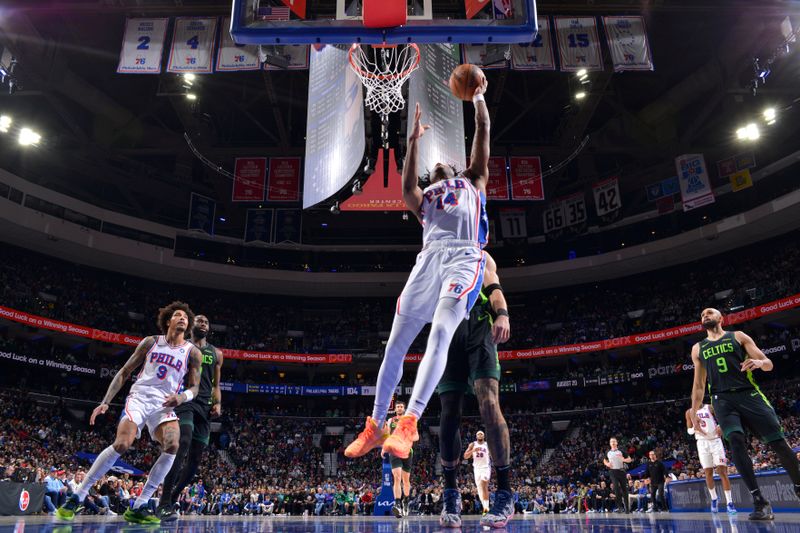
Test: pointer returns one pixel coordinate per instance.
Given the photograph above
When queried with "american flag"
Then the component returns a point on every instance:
(273, 13)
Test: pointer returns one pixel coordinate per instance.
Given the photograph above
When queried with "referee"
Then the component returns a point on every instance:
(615, 462)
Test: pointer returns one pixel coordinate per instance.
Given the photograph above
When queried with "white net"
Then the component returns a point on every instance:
(383, 71)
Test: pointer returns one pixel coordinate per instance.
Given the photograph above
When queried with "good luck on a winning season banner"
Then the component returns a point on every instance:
(232, 57)
(537, 55)
(578, 43)
(693, 178)
(627, 40)
(193, 45)
(250, 176)
(142, 46)
(526, 178)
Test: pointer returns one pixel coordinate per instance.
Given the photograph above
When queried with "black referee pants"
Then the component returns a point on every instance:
(619, 484)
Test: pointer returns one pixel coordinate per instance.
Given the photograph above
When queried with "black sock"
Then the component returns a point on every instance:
(503, 477)
(449, 477)
(398, 502)
(743, 464)
(787, 458)
(405, 500)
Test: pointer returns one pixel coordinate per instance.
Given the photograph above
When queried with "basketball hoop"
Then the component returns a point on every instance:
(383, 69)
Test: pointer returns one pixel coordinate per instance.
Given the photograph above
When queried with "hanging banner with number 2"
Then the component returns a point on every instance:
(142, 46)
(193, 45)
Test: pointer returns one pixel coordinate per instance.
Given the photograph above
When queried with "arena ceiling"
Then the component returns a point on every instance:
(118, 141)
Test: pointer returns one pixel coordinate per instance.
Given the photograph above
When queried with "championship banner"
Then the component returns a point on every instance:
(486, 56)
(578, 44)
(142, 46)
(537, 55)
(258, 226)
(497, 184)
(193, 43)
(288, 226)
(606, 196)
(526, 178)
(660, 189)
(295, 57)
(628, 43)
(201, 213)
(694, 183)
(513, 223)
(741, 180)
(250, 175)
(473, 7)
(726, 167)
(232, 57)
(284, 179)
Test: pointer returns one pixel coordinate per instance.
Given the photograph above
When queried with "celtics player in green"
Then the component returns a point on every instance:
(473, 366)
(727, 360)
(401, 469)
(194, 421)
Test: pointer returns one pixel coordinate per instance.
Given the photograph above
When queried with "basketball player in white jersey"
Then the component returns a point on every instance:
(443, 285)
(712, 454)
(481, 467)
(165, 361)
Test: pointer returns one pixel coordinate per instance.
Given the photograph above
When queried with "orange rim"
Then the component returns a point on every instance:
(370, 75)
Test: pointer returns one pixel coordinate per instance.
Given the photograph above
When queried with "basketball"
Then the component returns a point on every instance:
(464, 80)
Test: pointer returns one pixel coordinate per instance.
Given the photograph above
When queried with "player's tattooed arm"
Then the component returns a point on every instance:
(195, 361)
(412, 194)
(134, 361)
(755, 357)
(479, 157)
(698, 386)
(216, 393)
(468, 453)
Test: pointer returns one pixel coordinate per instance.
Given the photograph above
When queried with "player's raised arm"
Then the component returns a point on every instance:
(501, 329)
(479, 158)
(216, 393)
(698, 388)
(195, 361)
(134, 361)
(412, 194)
(468, 453)
(755, 357)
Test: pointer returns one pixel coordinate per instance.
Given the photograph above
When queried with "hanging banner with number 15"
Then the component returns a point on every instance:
(193, 45)
(578, 44)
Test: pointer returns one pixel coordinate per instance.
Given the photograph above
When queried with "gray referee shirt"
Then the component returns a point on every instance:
(615, 458)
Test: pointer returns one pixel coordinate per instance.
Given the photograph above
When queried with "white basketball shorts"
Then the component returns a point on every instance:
(482, 474)
(444, 269)
(143, 410)
(711, 452)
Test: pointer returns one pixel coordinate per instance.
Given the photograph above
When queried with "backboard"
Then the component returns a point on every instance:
(341, 22)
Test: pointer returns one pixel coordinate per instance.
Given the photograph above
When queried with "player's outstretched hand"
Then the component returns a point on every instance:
(751, 364)
(419, 128)
(99, 410)
(216, 410)
(501, 330)
(481, 89)
(173, 400)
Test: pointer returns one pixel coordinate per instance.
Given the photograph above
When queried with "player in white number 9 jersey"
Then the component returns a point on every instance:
(443, 285)
(711, 451)
(481, 466)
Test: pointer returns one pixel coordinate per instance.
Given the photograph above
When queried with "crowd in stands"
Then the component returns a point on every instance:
(46, 286)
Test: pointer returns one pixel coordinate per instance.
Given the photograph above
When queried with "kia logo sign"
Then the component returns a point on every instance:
(385, 503)
(24, 500)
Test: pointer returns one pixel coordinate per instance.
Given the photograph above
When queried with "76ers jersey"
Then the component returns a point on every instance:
(708, 423)
(480, 455)
(163, 370)
(454, 209)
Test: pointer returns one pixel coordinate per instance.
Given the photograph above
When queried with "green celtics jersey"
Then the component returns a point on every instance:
(207, 374)
(723, 360)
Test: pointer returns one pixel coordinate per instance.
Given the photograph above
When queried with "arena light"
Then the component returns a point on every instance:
(5, 123)
(770, 115)
(189, 77)
(28, 137)
(191, 96)
(748, 133)
(580, 95)
(581, 73)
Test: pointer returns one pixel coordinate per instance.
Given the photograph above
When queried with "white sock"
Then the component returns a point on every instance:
(728, 496)
(101, 465)
(157, 474)
(485, 504)
(404, 330)
(449, 314)
(713, 492)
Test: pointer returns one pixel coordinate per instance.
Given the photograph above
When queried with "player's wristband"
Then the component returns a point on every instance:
(478, 98)
(690, 431)
(189, 395)
(502, 312)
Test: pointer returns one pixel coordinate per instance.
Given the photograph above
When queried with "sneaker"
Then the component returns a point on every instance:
(762, 511)
(405, 508)
(451, 510)
(372, 437)
(714, 506)
(405, 435)
(397, 510)
(70, 507)
(731, 508)
(142, 515)
(166, 513)
(501, 512)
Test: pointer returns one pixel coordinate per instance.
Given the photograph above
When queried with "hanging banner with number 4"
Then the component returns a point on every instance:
(193, 45)
(233, 57)
(142, 46)
(606, 196)
(578, 44)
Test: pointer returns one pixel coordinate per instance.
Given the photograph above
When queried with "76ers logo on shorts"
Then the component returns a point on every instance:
(456, 288)
(24, 500)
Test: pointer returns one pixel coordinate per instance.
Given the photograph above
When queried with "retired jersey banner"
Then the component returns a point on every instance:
(606, 196)
(284, 179)
(513, 223)
(574, 209)
(627, 41)
(294, 56)
(142, 46)
(693, 178)
(258, 226)
(741, 180)
(486, 56)
(201, 213)
(538, 54)
(232, 57)
(250, 176)
(578, 44)
(193, 45)
(526, 178)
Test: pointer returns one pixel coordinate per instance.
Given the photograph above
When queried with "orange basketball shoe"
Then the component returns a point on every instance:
(370, 438)
(405, 435)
